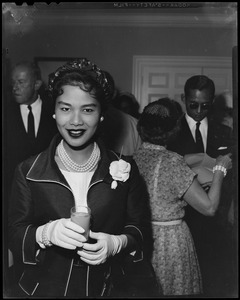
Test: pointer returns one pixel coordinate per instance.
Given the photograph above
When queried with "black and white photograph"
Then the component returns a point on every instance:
(120, 150)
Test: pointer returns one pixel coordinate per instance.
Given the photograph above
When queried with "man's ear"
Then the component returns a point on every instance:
(183, 98)
(38, 84)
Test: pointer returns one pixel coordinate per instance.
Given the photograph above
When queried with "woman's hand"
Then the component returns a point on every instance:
(106, 245)
(224, 161)
(66, 234)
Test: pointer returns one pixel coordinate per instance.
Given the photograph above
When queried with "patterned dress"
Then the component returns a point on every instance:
(174, 256)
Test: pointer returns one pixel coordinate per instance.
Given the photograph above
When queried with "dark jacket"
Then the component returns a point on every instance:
(218, 136)
(40, 193)
(18, 146)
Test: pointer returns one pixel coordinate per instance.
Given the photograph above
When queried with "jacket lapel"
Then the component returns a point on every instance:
(44, 168)
(19, 121)
(187, 135)
(102, 172)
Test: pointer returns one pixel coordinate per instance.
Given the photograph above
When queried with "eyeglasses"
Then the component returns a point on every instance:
(195, 105)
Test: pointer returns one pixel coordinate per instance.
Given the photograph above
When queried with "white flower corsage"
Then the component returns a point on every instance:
(119, 170)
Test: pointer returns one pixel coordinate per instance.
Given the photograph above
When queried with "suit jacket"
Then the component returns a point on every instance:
(218, 135)
(17, 144)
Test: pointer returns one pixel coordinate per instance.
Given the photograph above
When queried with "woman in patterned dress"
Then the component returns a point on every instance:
(171, 186)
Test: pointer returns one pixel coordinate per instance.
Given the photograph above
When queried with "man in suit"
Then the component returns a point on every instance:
(21, 141)
(199, 133)
(26, 84)
(199, 93)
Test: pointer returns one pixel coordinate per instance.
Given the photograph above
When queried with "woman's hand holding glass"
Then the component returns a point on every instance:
(106, 245)
(66, 234)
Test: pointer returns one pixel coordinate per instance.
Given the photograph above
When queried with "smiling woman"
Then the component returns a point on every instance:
(77, 116)
(57, 259)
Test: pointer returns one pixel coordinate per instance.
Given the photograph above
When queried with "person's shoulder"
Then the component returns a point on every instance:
(26, 164)
(183, 126)
(46, 100)
(219, 127)
(43, 155)
(128, 117)
(172, 157)
(12, 106)
(183, 120)
(120, 114)
(132, 120)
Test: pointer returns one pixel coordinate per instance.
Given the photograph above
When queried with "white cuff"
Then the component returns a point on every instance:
(45, 235)
(39, 236)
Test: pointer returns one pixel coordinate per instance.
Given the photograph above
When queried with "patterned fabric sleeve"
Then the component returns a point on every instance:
(183, 175)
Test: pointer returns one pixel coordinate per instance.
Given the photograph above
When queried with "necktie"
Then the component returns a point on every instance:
(31, 130)
(199, 141)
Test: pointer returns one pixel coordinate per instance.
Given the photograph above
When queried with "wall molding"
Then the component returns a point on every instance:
(75, 18)
(125, 14)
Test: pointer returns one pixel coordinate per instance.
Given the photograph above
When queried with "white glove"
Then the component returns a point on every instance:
(66, 234)
(107, 245)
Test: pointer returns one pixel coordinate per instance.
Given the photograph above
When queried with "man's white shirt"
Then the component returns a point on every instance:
(36, 110)
(203, 129)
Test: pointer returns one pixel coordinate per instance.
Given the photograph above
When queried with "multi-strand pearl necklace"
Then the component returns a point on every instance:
(71, 166)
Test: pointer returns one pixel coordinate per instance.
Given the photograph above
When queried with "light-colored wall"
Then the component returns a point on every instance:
(112, 47)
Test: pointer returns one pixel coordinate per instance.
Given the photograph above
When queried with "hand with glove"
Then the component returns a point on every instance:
(62, 232)
(107, 245)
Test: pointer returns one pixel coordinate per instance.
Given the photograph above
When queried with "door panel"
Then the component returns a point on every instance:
(158, 77)
(222, 77)
(163, 81)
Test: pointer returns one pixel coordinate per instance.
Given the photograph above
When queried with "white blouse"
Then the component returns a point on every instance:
(79, 183)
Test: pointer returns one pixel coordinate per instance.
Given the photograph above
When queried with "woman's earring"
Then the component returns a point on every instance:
(101, 119)
(54, 116)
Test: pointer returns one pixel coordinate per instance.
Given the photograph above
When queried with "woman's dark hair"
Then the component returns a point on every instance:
(87, 76)
(85, 82)
(158, 123)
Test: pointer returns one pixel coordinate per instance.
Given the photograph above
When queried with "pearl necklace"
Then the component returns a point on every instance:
(70, 165)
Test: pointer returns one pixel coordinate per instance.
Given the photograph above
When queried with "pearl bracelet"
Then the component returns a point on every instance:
(45, 240)
(220, 168)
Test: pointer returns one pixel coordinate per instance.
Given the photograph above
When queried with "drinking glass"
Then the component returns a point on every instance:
(81, 215)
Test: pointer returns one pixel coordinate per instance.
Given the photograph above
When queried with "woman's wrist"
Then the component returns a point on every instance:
(220, 168)
(45, 240)
(119, 242)
(39, 236)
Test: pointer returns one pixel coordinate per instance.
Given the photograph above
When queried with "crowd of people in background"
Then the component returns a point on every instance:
(84, 142)
(127, 103)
